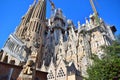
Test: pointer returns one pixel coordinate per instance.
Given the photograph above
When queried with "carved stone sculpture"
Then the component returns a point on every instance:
(27, 69)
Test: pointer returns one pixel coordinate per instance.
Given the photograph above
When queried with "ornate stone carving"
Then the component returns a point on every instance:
(27, 69)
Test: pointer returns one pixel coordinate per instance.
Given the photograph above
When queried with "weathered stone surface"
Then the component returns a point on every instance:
(54, 45)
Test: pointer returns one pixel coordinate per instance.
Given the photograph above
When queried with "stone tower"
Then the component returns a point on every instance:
(55, 32)
(24, 45)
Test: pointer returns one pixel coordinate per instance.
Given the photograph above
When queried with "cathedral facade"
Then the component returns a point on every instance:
(55, 45)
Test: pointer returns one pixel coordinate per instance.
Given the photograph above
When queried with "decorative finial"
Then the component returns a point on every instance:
(86, 19)
(79, 24)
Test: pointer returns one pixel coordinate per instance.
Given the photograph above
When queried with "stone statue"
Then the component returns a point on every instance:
(27, 69)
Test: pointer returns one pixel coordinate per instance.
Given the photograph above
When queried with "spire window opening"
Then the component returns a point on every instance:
(60, 73)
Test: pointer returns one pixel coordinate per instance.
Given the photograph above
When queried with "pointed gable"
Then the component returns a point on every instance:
(51, 70)
(61, 70)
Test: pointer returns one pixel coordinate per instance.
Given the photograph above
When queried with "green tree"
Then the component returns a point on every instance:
(107, 68)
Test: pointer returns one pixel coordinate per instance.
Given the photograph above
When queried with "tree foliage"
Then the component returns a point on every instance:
(107, 68)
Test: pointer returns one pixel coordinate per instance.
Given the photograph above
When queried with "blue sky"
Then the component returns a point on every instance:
(11, 12)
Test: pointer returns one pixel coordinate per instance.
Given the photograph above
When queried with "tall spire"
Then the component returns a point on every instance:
(35, 29)
(40, 10)
(37, 19)
(20, 32)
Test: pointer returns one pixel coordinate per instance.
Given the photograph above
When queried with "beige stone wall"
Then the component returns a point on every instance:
(96, 41)
(72, 77)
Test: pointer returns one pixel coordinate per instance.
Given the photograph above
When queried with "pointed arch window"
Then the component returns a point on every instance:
(36, 29)
(33, 27)
(39, 28)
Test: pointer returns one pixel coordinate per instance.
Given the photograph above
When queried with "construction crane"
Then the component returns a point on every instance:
(93, 7)
(87, 36)
(95, 12)
(52, 4)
